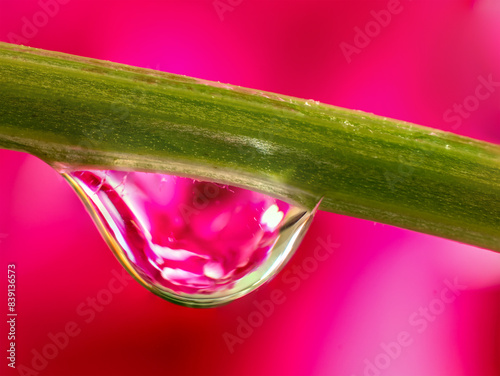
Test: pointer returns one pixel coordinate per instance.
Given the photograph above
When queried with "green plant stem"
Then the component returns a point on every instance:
(75, 111)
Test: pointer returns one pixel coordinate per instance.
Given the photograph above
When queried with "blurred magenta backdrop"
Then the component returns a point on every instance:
(344, 314)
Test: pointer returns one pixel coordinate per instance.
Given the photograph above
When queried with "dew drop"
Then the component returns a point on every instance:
(195, 243)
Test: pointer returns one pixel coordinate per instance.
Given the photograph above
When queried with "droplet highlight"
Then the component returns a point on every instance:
(195, 243)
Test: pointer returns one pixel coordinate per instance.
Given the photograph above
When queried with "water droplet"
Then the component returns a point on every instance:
(195, 243)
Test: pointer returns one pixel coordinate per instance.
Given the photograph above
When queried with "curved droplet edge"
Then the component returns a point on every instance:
(196, 302)
(278, 265)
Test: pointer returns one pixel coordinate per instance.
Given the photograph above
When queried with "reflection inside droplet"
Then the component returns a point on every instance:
(192, 242)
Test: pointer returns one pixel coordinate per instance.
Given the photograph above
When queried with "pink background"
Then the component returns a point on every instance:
(337, 320)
